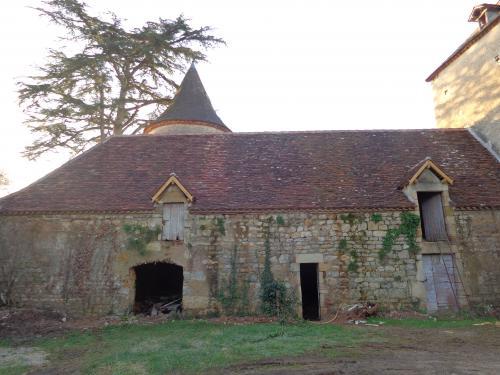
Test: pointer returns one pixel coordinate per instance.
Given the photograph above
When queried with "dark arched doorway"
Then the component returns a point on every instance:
(158, 288)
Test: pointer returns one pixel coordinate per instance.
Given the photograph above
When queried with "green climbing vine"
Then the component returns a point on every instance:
(233, 294)
(356, 237)
(350, 218)
(376, 218)
(343, 245)
(407, 228)
(139, 236)
(353, 264)
(280, 220)
(276, 298)
(220, 226)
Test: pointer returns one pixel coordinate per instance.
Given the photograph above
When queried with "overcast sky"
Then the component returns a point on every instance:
(288, 65)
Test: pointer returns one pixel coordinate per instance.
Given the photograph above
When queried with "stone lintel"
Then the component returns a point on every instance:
(309, 258)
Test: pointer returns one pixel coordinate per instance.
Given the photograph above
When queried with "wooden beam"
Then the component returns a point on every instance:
(429, 164)
(172, 180)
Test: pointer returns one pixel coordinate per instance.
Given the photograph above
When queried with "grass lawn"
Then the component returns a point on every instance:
(192, 346)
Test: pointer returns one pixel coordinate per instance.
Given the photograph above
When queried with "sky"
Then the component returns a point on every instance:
(288, 65)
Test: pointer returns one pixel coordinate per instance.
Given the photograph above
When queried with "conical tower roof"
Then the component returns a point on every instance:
(191, 105)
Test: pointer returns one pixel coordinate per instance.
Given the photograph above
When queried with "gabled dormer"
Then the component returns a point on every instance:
(173, 198)
(426, 184)
(426, 174)
(172, 191)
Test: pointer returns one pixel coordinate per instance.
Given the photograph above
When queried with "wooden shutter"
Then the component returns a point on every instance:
(174, 215)
(431, 211)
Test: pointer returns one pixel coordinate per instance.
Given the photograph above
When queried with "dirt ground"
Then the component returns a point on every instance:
(474, 350)
(400, 350)
(20, 325)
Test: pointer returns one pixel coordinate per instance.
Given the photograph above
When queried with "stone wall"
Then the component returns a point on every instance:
(467, 92)
(184, 128)
(331, 240)
(81, 264)
(478, 241)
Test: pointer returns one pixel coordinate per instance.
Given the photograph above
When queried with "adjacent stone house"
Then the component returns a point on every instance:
(402, 218)
(466, 86)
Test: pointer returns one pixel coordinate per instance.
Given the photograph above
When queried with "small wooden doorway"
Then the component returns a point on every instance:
(441, 283)
(310, 290)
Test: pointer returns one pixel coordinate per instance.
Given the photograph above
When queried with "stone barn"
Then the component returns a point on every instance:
(189, 214)
(402, 218)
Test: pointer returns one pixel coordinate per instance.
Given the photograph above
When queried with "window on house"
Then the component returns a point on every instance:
(432, 216)
(174, 215)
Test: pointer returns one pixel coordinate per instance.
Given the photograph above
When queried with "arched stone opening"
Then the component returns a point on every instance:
(158, 288)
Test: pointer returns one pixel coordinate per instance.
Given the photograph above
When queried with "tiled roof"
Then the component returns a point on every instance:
(238, 172)
(191, 103)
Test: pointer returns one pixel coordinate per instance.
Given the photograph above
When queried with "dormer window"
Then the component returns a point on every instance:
(426, 184)
(174, 199)
(484, 14)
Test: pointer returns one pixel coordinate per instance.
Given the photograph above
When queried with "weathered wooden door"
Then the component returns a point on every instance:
(441, 283)
(174, 215)
(431, 211)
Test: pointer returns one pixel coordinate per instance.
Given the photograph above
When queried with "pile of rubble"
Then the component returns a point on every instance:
(354, 314)
(156, 307)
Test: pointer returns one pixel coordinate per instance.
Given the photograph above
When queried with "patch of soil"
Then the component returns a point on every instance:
(23, 324)
(27, 323)
(405, 351)
(22, 356)
(20, 324)
(242, 319)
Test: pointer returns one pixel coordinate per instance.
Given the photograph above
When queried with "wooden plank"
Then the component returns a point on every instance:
(172, 180)
(182, 219)
(429, 164)
(431, 208)
(166, 216)
(447, 282)
(441, 282)
(432, 305)
(174, 215)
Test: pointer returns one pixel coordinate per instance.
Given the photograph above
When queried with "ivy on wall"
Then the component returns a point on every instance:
(220, 226)
(233, 294)
(343, 245)
(276, 298)
(139, 236)
(408, 228)
(350, 218)
(353, 264)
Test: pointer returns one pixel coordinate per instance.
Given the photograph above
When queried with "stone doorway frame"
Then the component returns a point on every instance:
(322, 288)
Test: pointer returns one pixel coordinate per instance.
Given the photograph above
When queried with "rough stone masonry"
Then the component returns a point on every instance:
(80, 264)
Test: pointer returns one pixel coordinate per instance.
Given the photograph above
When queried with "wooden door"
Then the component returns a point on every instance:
(441, 283)
(174, 215)
(431, 212)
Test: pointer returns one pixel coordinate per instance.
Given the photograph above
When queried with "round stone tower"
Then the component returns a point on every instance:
(190, 112)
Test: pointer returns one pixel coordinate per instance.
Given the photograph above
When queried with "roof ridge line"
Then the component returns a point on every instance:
(458, 130)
